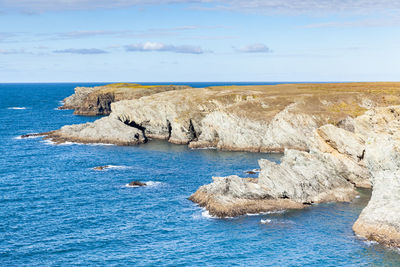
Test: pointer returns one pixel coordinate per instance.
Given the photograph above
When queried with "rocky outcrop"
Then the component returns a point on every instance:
(136, 184)
(105, 130)
(380, 220)
(249, 118)
(76, 100)
(327, 173)
(97, 100)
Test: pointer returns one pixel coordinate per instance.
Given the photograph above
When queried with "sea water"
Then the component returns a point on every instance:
(56, 210)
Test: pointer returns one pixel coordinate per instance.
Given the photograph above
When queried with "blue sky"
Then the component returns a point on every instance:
(199, 40)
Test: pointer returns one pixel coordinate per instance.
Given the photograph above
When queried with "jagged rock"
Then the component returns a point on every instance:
(380, 220)
(347, 150)
(108, 130)
(300, 179)
(233, 196)
(76, 100)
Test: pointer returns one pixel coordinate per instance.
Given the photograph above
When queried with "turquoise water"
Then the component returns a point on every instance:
(55, 210)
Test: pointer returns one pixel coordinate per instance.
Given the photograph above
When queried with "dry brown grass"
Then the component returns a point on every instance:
(330, 101)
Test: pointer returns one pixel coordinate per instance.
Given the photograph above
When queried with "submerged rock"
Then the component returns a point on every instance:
(100, 168)
(136, 184)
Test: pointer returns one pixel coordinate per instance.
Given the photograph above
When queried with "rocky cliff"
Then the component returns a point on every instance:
(380, 220)
(251, 118)
(335, 137)
(97, 100)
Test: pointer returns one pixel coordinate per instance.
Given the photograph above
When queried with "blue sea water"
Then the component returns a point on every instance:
(55, 210)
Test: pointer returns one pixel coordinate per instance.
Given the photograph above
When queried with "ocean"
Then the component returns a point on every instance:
(55, 210)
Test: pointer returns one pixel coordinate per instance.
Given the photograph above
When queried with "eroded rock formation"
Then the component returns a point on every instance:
(329, 172)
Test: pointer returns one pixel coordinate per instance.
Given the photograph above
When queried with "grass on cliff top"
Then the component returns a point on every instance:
(328, 100)
(113, 87)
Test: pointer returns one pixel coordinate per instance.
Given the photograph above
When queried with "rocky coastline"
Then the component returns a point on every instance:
(335, 138)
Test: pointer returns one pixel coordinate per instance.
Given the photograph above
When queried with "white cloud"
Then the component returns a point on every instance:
(254, 48)
(81, 51)
(160, 47)
(12, 51)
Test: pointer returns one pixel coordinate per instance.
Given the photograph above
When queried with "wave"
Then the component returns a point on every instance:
(266, 221)
(266, 213)
(30, 136)
(68, 143)
(17, 108)
(108, 167)
(370, 242)
(204, 148)
(206, 214)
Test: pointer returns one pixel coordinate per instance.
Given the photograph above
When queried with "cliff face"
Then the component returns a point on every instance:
(380, 220)
(250, 118)
(97, 100)
(339, 159)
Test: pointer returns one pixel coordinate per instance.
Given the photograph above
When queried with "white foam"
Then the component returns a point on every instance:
(266, 212)
(201, 148)
(28, 137)
(153, 184)
(96, 144)
(48, 142)
(116, 167)
(357, 196)
(128, 185)
(266, 221)
(16, 108)
(107, 167)
(370, 242)
(206, 214)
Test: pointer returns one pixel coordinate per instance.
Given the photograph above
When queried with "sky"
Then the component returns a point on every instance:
(199, 40)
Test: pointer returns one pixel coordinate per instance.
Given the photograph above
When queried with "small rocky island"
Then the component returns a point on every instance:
(335, 137)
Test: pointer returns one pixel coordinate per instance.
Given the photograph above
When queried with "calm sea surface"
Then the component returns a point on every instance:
(55, 210)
